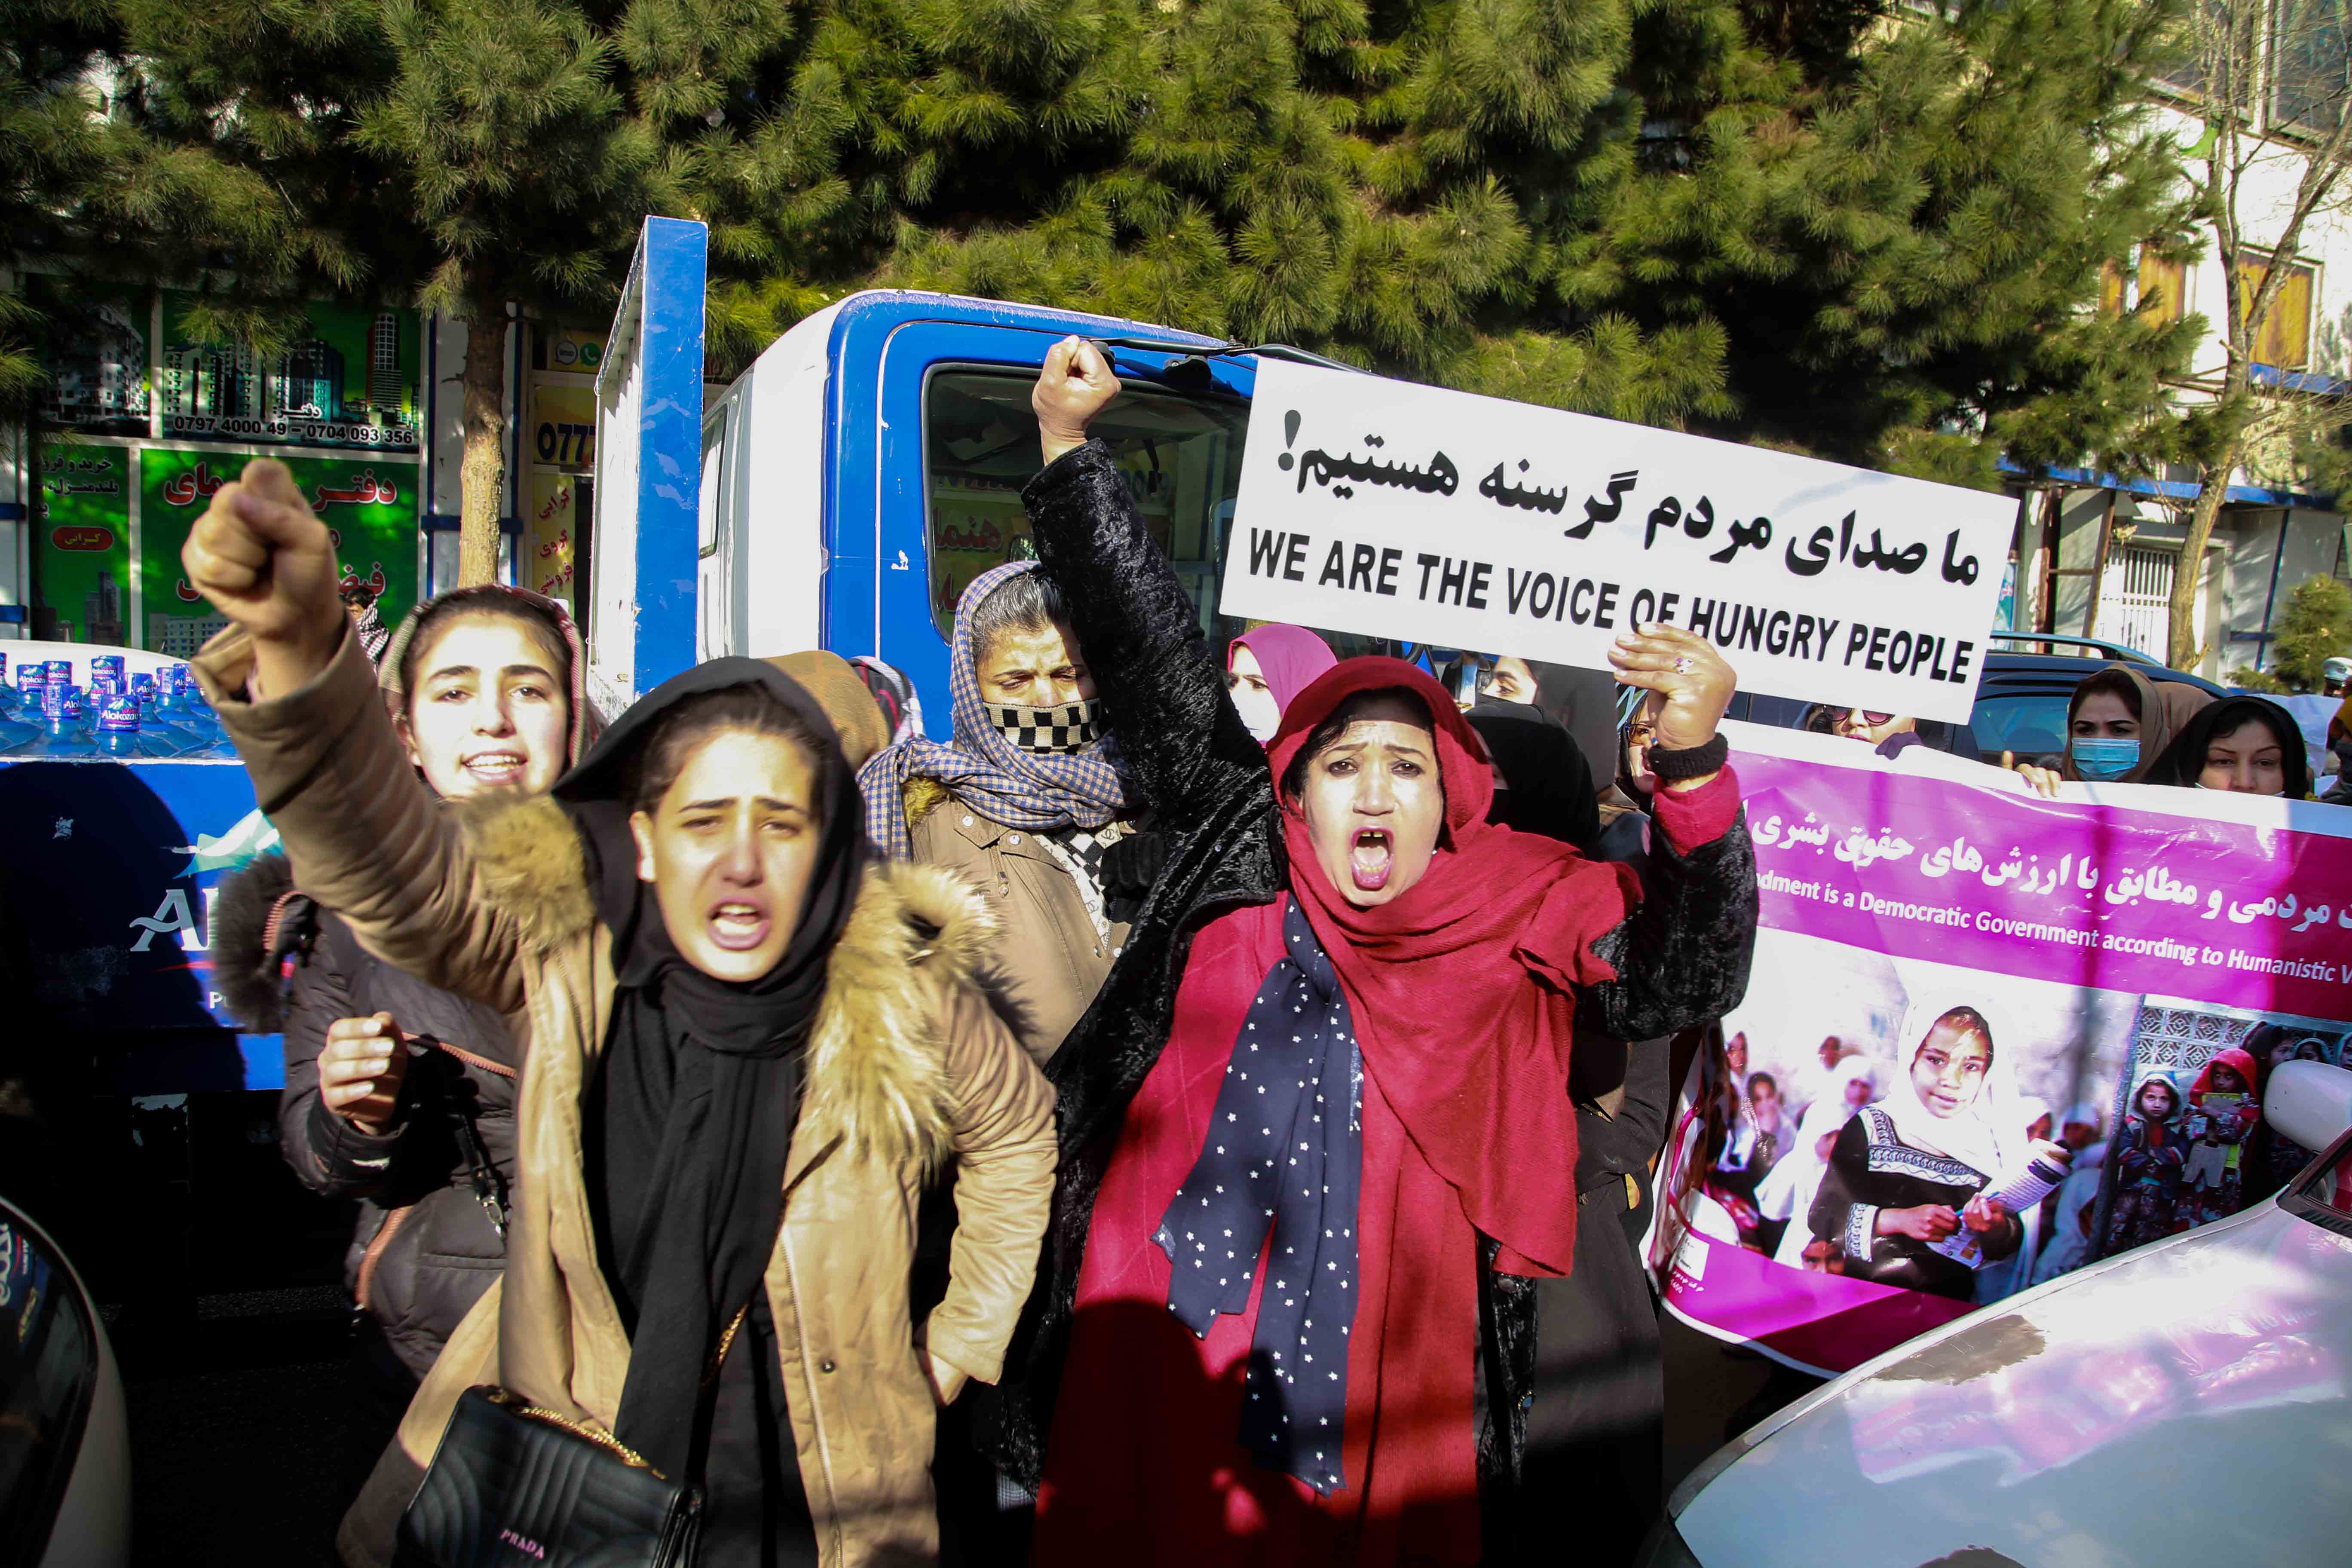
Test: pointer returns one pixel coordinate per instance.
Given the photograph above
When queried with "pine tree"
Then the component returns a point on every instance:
(1805, 223)
(502, 129)
(1901, 224)
(233, 170)
(456, 157)
(2316, 628)
(52, 149)
(1813, 223)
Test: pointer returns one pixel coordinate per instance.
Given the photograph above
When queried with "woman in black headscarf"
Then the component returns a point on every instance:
(2242, 745)
(1581, 701)
(1542, 783)
(748, 1045)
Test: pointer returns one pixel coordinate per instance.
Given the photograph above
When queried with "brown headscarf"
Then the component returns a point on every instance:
(2163, 706)
(858, 718)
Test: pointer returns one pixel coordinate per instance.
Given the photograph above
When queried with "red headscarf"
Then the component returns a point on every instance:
(1290, 658)
(1462, 987)
(2236, 1060)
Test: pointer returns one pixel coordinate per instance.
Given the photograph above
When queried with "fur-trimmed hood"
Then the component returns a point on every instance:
(875, 1061)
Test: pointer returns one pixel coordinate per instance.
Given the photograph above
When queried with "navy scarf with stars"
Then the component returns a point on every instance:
(1285, 1153)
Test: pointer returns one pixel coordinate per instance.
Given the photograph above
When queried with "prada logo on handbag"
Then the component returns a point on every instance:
(524, 1544)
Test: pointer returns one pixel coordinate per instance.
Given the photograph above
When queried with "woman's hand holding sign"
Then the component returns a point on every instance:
(1689, 684)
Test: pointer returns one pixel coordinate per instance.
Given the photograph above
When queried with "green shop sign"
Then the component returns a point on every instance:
(82, 539)
(367, 501)
(352, 382)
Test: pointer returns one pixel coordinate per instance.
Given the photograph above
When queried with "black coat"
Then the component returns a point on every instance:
(1682, 958)
(425, 1246)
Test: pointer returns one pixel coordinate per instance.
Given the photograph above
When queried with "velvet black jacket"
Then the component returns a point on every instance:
(1682, 958)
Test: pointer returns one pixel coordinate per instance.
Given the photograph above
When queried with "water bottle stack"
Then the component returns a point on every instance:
(16, 710)
(120, 717)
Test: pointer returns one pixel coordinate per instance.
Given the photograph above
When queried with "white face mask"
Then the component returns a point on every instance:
(1259, 710)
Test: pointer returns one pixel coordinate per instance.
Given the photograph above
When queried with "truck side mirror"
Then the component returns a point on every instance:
(2309, 1103)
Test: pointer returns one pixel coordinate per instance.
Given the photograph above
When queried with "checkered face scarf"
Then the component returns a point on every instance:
(1047, 731)
(988, 764)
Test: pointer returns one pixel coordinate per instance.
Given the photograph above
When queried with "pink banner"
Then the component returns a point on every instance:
(2093, 895)
(2121, 968)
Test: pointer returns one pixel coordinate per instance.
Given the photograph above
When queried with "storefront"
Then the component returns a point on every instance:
(145, 418)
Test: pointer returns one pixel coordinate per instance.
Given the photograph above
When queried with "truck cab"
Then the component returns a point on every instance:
(869, 465)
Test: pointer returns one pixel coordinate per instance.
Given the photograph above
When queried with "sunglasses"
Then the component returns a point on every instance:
(1873, 720)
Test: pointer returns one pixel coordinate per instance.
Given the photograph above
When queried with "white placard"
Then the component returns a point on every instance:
(1377, 506)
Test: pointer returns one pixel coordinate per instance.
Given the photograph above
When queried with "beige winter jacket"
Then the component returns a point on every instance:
(907, 1068)
(1051, 958)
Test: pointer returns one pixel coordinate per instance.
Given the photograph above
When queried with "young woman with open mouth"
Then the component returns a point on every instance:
(399, 1094)
(1321, 1109)
(748, 1044)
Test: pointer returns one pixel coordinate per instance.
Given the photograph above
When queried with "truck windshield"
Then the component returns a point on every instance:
(1181, 457)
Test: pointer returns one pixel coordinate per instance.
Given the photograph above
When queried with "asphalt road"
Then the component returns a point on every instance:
(239, 1451)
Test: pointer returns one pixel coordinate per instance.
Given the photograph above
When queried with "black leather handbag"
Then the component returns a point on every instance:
(512, 1484)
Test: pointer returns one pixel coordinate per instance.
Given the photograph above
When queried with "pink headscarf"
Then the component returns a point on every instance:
(1290, 658)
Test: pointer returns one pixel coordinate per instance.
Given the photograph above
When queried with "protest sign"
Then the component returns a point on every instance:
(1377, 506)
(1955, 978)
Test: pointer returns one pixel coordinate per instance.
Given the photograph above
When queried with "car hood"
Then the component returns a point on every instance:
(2184, 1403)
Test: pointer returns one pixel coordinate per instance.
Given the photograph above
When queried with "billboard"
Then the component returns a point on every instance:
(352, 381)
(97, 356)
(1988, 1038)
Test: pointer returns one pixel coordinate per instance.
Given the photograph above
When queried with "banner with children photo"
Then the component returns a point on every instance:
(1989, 1037)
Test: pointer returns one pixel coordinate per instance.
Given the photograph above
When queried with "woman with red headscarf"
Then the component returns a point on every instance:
(1316, 1131)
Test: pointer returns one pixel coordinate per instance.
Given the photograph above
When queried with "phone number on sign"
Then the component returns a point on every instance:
(395, 436)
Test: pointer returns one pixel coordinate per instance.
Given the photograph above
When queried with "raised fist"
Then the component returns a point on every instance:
(1076, 384)
(265, 562)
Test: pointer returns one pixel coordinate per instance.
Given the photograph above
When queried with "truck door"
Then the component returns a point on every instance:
(644, 619)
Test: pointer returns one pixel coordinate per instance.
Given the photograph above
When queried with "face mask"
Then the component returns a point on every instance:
(1259, 710)
(2104, 759)
(1048, 730)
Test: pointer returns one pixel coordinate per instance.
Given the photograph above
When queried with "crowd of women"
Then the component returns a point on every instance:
(1201, 1110)
(1226, 1092)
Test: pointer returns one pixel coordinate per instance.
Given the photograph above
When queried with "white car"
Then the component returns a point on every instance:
(2183, 1404)
(65, 1446)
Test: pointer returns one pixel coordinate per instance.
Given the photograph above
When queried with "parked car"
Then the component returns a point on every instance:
(2021, 705)
(65, 1447)
(2176, 1406)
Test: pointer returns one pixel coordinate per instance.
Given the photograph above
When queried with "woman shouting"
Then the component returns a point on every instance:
(1317, 1131)
(747, 1046)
